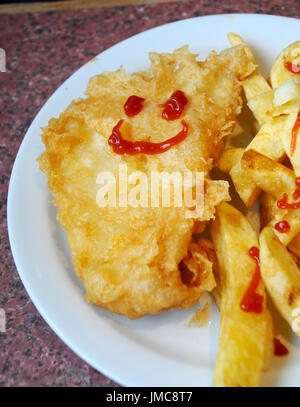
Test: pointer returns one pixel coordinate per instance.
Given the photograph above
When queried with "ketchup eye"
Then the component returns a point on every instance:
(133, 105)
(174, 106)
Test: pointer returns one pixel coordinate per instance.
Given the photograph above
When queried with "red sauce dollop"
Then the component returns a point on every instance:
(122, 146)
(283, 202)
(295, 131)
(133, 105)
(251, 301)
(283, 226)
(280, 349)
(292, 67)
(174, 106)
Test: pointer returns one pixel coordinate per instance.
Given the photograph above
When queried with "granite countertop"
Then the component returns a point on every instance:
(42, 50)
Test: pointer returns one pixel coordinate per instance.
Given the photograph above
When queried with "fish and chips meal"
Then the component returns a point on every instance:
(136, 255)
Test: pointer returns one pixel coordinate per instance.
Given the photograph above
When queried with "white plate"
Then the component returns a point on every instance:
(154, 350)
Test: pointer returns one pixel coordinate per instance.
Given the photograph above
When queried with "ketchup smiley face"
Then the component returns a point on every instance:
(173, 109)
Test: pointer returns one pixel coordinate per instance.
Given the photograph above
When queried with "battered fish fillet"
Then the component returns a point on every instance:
(135, 261)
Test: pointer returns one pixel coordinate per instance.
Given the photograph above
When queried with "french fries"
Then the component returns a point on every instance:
(281, 276)
(275, 109)
(276, 102)
(272, 177)
(262, 106)
(266, 140)
(244, 340)
(255, 85)
(275, 179)
(268, 167)
(265, 143)
(235, 40)
(247, 190)
(285, 135)
(229, 158)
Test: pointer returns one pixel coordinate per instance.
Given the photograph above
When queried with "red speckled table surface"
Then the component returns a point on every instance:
(42, 50)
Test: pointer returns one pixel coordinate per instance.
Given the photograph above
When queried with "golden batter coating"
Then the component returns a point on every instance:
(128, 258)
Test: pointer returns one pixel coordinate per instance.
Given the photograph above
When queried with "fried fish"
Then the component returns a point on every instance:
(139, 260)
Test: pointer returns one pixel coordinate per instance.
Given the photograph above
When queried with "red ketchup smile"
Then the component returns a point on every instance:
(133, 105)
(174, 106)
(283, 227)
(292, 67)
(122, 146)
(251, 301)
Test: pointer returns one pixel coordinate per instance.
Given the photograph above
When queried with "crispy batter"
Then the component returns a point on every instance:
(128, 257)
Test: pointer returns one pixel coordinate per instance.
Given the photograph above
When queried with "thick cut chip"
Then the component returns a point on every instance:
(285, 134)
(236, 40)
(128, 257)
(281, 276)
(255, 84)
(247, 189)
(265, 142)
(292, 217)
(277, 180)
(229, 158)
(245, 338)
(271, 176)
(273, 103)
(262, 106)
